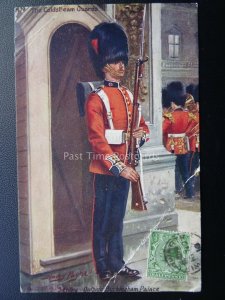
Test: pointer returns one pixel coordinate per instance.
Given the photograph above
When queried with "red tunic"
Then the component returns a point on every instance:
(121, 108)
(177, 123)
(193, 132)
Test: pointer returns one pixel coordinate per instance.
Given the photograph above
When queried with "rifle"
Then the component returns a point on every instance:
(137, 202)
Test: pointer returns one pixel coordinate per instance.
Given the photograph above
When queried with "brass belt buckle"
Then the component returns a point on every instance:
(126, 136)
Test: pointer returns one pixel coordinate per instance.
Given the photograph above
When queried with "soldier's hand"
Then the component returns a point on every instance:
(138, 133)
(130, 173)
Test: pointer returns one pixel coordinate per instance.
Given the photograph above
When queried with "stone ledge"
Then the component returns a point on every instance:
(65, 257)
(157, 158)
(144, 224)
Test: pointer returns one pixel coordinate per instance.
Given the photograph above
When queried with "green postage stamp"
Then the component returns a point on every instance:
(168, 255)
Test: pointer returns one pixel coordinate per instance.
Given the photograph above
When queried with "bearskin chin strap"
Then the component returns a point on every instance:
(115, 74)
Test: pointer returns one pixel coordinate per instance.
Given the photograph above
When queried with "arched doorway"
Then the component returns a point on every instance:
(72, 183)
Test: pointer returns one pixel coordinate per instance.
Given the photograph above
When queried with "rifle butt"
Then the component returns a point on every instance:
(137, 202)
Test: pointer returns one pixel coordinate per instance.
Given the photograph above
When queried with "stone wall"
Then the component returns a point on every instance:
(183, 20)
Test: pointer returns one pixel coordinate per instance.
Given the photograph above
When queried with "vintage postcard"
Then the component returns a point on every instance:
(108, 147)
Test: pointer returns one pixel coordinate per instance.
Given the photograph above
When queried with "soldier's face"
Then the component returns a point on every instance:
(118, 67)
(114, 71)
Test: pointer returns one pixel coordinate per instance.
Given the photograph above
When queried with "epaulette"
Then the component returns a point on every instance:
(98, 89)
(189, 99)
(169, 116)
(192, 116)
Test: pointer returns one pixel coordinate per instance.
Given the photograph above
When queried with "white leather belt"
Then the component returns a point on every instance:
(116, 136)
(176, 135)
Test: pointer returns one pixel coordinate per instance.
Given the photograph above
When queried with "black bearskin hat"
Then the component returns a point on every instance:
(196, 93)
(107, 44)
(190, 89)
(165, 99)
(176, 94)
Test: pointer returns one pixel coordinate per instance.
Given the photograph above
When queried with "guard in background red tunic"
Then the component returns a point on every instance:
(175, 125)
(109, 111)
(193, 134)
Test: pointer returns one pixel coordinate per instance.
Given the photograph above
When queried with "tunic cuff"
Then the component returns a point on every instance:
(144, 139)
(117, 165)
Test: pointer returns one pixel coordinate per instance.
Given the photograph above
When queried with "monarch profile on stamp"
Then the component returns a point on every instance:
(109, 119)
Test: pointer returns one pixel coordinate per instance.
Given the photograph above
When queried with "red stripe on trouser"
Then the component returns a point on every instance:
(92, 225)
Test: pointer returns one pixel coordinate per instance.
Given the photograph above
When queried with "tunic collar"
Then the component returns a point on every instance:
(111, 83)
(179, 108)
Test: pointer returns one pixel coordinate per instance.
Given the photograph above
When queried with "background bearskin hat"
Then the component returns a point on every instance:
(190, 89)
(175, 93)
(193, 90)
(107, 44)
(165, 99)
(196, 94)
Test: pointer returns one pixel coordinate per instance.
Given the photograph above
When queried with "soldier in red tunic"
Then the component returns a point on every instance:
(109, 111)
(175, 125)
(193, 135)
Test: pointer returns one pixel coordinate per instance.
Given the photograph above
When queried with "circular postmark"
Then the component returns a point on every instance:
(195, 254)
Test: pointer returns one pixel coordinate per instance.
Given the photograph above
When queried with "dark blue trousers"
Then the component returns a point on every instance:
(183, 163)
(178, 179)
(193, 165)
(109, 209)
